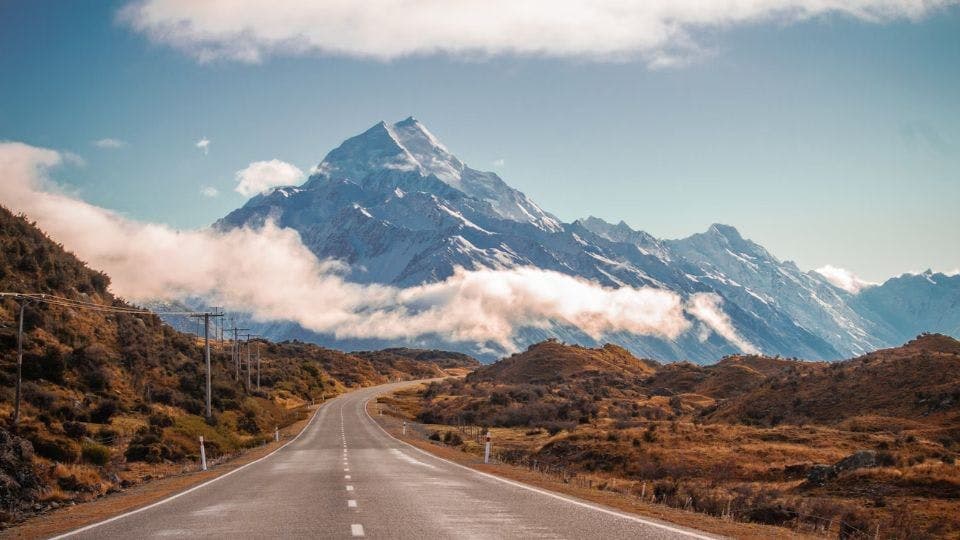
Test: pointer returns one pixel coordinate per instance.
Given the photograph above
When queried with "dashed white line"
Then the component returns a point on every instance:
(346, 477)
(356, 529)
(351, 503)
(349, 488)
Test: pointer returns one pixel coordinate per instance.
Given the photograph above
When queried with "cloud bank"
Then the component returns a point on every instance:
(844, 279)
(285, 281)
(261, 176)
(662, 32)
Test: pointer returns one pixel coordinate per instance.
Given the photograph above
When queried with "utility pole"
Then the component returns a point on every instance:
(235, 351)
(16, 407)
(206, 346)
(248, 363)
(258, 365)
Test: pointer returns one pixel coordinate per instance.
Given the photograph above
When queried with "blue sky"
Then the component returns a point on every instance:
(829, 140)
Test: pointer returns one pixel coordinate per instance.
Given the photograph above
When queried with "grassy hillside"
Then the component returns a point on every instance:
(111, 399)
(870, 441)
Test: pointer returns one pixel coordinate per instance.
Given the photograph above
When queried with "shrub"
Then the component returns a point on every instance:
(56, 448)
(435, 436)
(104, 411)
(96, 454)
(75, 430)
(160, 420)
(452, 438)
(97, 379)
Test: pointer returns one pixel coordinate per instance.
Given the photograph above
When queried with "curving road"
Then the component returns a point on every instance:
(346, 477)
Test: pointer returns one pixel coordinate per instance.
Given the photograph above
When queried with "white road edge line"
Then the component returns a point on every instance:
(541, 491)
(191, 490)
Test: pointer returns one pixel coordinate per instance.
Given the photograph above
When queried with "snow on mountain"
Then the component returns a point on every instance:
(399, 208)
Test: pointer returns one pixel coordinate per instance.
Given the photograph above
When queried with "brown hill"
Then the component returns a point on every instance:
(104, 392)
(552, 361)
(918, 381)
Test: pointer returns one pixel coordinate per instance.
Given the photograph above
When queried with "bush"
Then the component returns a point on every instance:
(160, 420)
(75, 430)
(145, 446)
(104, 411)
(435, 436)
(96, 454)
(56, 448)
(452, 438)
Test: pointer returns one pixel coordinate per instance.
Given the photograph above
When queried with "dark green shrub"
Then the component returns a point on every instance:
(96, 454)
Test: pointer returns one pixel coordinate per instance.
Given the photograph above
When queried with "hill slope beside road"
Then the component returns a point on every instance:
(112, 398)
(344, 476)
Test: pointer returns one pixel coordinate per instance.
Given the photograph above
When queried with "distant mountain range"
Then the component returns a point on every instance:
(400, 209)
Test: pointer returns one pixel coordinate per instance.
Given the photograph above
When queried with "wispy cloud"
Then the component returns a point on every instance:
(662, 32)
(844, 279)
(109, 143)
(209, 191)
(204, 144)
(499, 162)
(706, 308)
(486, 306)
(261, 176)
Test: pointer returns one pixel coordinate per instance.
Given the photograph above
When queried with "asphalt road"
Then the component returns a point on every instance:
(345, 477)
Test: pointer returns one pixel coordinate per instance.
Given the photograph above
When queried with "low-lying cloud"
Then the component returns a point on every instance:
(706, 308)
(662, 32)
(844, 279)
(270, 273)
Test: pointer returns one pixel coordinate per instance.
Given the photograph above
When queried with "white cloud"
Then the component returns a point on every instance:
(209, 191)
(706, 308)
(204, 144)
(844, 279)
(499, 162)
(261, 176)
(285, 281)
(662, 32)
(109, 143)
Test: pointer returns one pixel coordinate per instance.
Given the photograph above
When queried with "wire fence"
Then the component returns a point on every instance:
(639, 490)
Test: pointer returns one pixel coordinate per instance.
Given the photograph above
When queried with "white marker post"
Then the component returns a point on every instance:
(404, 432)
(486, 449)
(203, 456)
(276, 433)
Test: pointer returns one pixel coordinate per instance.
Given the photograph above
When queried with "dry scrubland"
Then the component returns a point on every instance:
(112, 400)
(850, 446)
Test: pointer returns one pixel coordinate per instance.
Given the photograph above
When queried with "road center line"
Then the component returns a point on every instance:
(351, 503)
(356, 529)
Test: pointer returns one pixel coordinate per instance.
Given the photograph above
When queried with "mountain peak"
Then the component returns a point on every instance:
(727, 231)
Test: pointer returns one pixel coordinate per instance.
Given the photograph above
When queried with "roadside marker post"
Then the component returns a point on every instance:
(276, 433)
(486, 449)
(203, 456)
(404, 432)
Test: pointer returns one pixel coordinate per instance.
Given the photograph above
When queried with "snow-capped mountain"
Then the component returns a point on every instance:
(398, 207)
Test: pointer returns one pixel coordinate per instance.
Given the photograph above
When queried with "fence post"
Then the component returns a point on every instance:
(486, 449)
(203, 455)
